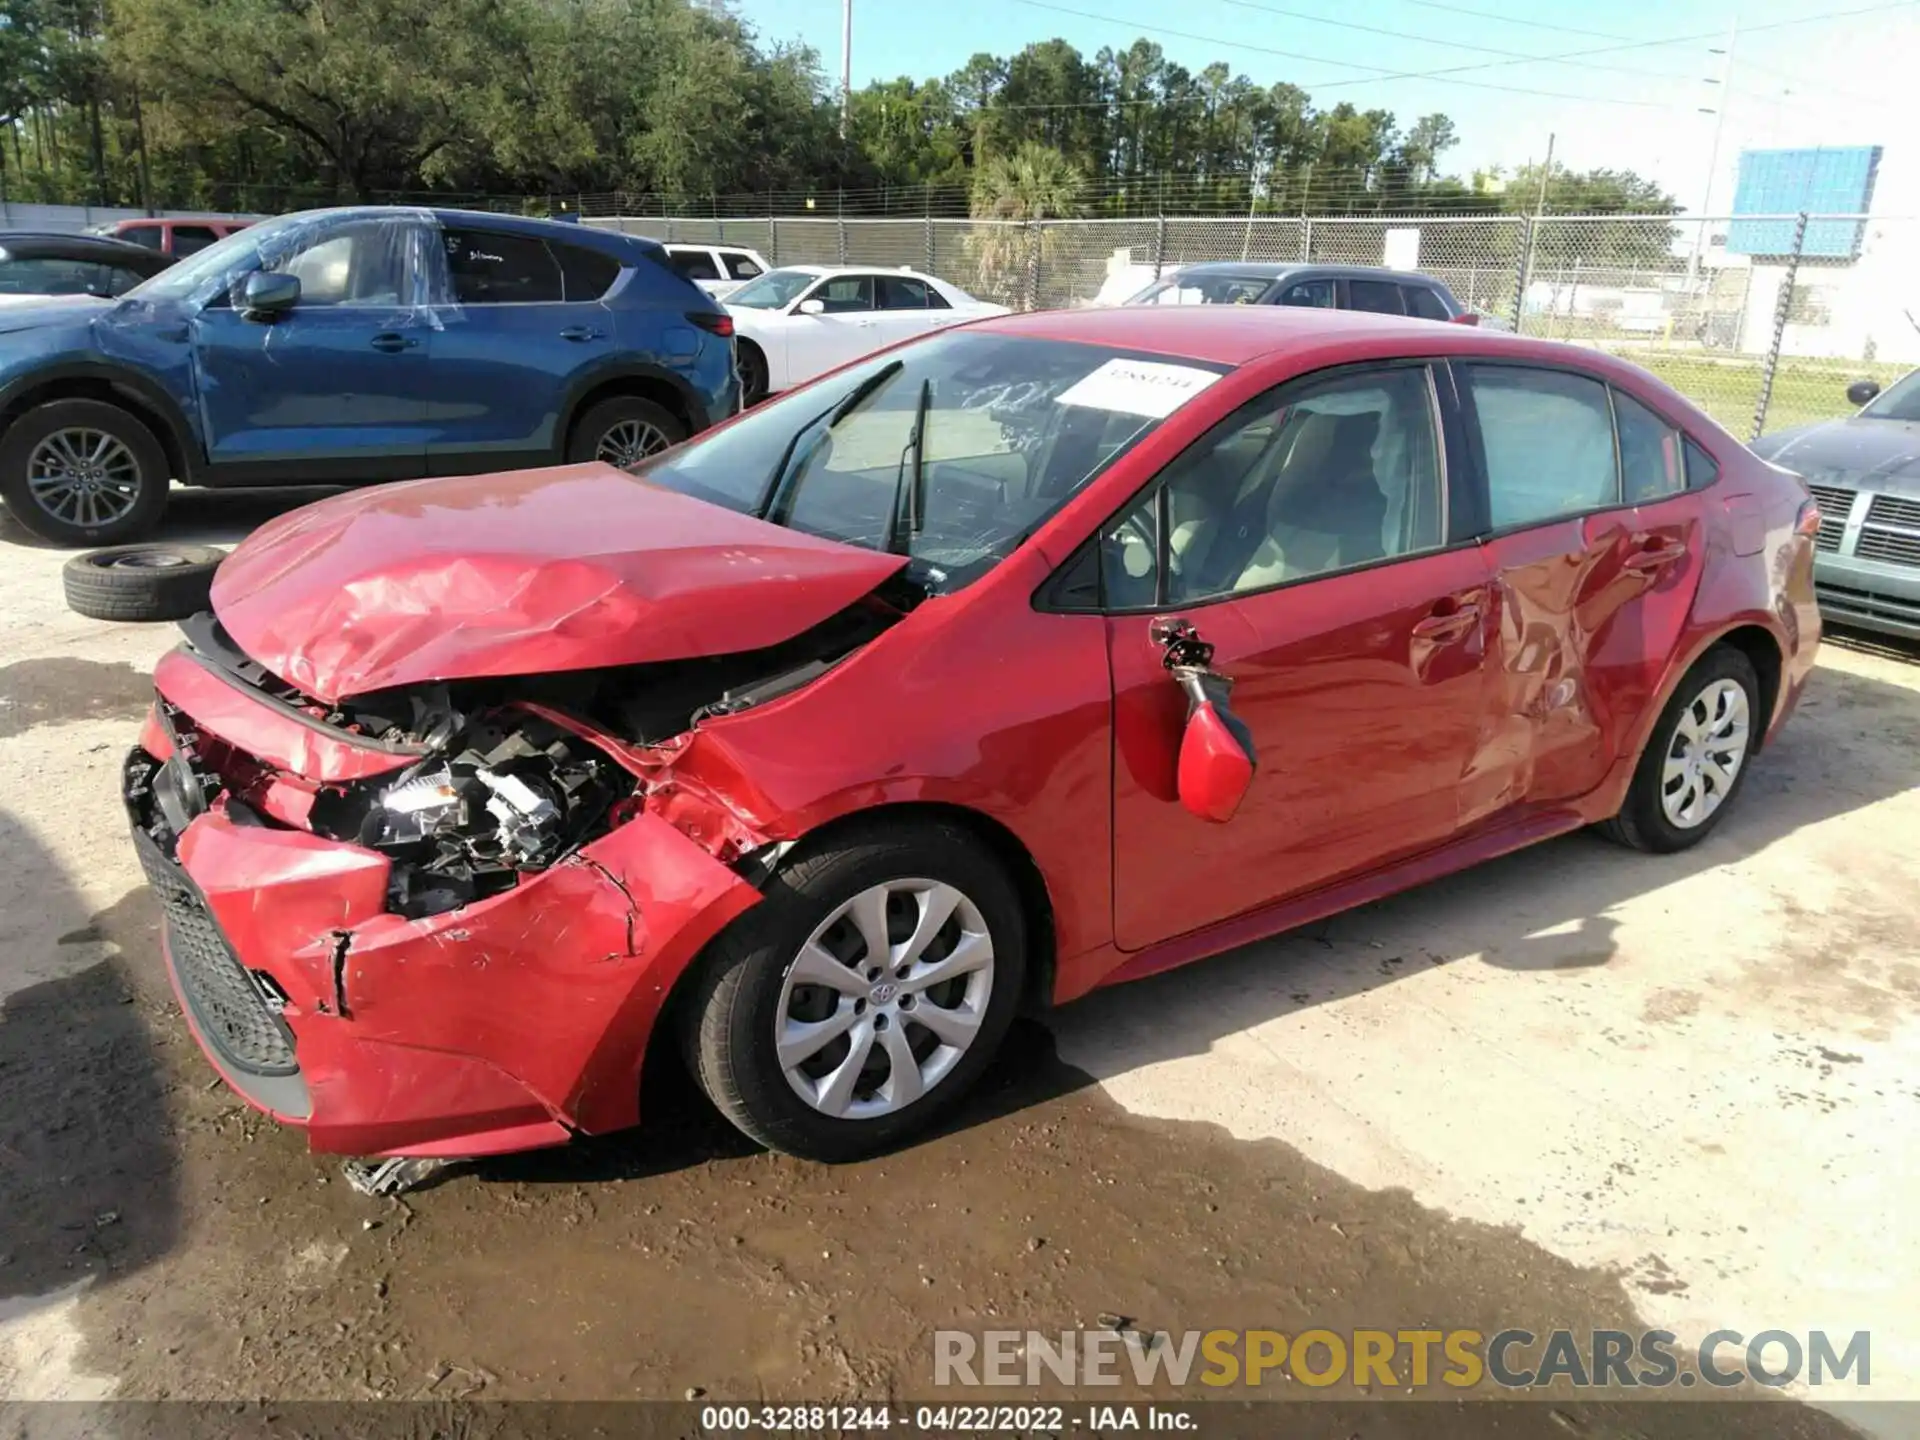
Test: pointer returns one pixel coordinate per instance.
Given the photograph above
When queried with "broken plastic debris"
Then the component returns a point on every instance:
(391, 1177)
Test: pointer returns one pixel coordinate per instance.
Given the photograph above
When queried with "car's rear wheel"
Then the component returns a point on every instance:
(624, 431)
(753, 372)
(863, 996)
(83, 472)
(1696, 759)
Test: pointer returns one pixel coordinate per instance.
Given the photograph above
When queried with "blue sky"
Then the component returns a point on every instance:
(1840, 81)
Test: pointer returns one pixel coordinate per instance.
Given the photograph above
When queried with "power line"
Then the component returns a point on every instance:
(1820, 18)
(1512, 19)
(1379, 73)
(1437, 40)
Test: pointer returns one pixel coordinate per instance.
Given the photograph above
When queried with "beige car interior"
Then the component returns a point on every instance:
(1332, 480)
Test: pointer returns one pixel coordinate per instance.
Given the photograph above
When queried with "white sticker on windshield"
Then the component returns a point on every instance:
(1138, 387)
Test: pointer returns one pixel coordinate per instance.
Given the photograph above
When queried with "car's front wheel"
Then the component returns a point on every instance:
(624, 431)
(83, 472)
(863, 996)
(1696, 759)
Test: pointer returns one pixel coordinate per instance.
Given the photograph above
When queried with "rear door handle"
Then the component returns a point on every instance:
(1656, 554)
(1449, 621)
(580, 332)
(393, 343)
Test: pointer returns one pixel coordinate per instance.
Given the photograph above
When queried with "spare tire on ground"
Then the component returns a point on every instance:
(142, 582)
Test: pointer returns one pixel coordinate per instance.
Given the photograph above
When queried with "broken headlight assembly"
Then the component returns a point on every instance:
(464, 824)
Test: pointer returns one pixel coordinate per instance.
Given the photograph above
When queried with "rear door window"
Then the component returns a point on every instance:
(1548, 441)
(490, 267)
(150, 236)
(902, 292)
(741, 266)
(1380, 296)
(1426, 303)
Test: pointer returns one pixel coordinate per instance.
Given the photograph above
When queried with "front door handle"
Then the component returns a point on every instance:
(580, 332)
(1656, 554)
(393, 343)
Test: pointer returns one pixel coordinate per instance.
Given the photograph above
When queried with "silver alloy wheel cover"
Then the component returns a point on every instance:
(628, 442)
(1705, 753)
(885, 1010)
(84, 476)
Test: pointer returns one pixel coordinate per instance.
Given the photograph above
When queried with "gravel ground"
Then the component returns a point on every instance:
(1577, 1086)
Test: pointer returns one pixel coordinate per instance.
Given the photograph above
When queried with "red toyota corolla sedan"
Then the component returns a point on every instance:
(1044, 653)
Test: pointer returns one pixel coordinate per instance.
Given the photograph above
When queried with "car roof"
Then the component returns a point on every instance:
(42, 244)
(1274, 269)
(133, 220)
(824, 270)
(1236, 335)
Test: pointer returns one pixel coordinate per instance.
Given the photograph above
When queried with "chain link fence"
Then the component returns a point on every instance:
(1762, 321)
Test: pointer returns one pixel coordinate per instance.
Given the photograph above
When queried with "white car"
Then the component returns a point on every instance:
(804, 320)
(717, 269)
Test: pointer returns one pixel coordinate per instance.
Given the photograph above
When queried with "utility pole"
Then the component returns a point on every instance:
(1725, 82)
(846, 65)
(1532, 239)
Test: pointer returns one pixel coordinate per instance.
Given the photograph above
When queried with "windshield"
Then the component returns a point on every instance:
(1009, 429)
(772, 291)
(1899, 401)
(1187, 288)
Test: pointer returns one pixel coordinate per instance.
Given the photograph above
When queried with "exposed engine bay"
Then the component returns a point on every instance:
(514, 774)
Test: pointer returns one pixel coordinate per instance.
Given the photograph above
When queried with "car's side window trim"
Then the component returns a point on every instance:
(1443, 461)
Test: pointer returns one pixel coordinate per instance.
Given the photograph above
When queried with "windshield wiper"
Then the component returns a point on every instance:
(776, 504)
(910, 486)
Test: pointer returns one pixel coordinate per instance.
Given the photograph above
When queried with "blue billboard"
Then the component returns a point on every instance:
(1819, 182)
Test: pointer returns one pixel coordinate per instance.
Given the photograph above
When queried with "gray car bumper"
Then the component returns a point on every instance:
(1868, 594)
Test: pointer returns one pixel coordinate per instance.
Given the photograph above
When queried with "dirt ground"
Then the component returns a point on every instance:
(1577, 1087)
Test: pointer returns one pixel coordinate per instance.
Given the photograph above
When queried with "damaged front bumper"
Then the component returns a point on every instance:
(509, 1023)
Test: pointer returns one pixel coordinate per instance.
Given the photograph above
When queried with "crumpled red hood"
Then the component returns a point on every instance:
(522, 573)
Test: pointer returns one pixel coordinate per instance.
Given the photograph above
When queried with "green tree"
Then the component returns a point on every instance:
(1014, 193)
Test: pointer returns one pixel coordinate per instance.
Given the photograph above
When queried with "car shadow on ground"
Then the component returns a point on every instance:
(198, 517)
(1854, 741)
(87, 1157)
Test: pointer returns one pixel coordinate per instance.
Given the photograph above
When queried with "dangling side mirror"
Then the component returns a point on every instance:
(1217, 758)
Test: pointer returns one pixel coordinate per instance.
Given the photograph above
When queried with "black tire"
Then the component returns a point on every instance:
(1643, 822)
(142, 582)
(729, 1021)
(753, 373)
(149, 471)
(595, 428)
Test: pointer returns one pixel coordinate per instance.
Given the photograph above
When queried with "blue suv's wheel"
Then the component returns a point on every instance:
(82, 472)
(623, 431)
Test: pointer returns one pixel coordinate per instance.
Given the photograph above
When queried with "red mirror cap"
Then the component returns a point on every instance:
(1467, 319)
(1215, 768)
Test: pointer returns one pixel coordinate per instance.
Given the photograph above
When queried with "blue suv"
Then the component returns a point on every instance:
(354, 345)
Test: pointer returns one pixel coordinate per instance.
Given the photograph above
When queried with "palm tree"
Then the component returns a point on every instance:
(1019, 192)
